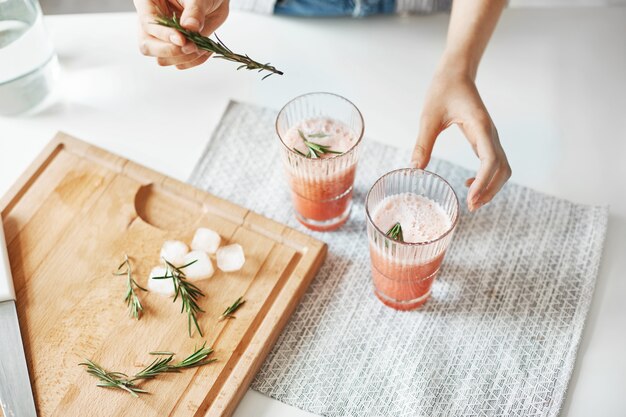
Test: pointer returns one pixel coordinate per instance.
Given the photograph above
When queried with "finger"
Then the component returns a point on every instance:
(496, 184)
(164, 33)
(148, 12)
(488, 168)
(195, 11)
(198, 61)
(214, 20)
(178, 60)
(150, 46)
(485, 139)
(469, 181)
(430, 127)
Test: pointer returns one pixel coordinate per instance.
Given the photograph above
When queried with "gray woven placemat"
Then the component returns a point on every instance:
(499, 335)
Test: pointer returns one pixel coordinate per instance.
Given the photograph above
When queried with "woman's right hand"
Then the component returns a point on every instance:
(168, 45)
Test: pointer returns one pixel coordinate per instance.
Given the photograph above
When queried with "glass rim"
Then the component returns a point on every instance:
(409, 244)
(349, 151)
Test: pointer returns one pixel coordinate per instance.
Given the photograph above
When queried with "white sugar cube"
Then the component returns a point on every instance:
(202, 268)
(160, 286)
(174, 252)
(230, 258)
(206, 240)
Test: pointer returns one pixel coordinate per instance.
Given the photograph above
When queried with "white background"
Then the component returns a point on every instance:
(554, 81)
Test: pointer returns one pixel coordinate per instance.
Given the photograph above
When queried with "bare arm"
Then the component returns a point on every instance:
(471, 25)
(454, 99)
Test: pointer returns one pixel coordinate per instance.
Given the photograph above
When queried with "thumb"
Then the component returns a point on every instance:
(193, 15)
(429, 130)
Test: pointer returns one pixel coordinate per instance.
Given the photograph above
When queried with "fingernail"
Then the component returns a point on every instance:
(192, 23)
(176, 40)
(189, 48)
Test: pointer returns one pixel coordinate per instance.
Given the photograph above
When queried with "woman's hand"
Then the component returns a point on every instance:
(168, 45)
(454, 99)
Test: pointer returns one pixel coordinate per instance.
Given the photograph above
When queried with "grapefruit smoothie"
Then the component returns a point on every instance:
(411, 216)
(320, 134)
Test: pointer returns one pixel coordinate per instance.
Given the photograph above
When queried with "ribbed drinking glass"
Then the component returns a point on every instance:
(321, 188)
(403, 273)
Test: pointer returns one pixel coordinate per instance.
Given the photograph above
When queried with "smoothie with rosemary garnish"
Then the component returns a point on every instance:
(323, 191)
(332, 136)
(402, 280)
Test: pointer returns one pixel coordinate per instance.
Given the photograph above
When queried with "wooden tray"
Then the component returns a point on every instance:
(69, 221)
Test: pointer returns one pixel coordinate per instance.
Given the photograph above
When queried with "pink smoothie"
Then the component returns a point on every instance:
(403, 279)
(321, 193)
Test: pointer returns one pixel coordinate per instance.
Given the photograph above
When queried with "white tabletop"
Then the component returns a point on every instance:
(554, 81)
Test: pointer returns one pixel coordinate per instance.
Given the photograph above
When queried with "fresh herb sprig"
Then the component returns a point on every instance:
(116, 380)
(315, 150)
(163, 365)
(395, 233)
(229, 312)
(217, 47)
(135, 308)
(197, 358)
(157, 367)
(186, 291)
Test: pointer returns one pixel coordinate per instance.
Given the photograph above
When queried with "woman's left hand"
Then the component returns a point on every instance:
(454, 99)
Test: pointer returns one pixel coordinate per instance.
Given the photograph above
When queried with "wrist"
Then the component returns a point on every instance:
(459, 64)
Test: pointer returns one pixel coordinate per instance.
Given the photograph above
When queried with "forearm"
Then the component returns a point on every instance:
(472, 23)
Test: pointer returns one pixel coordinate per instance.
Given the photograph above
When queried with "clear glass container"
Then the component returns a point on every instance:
(403, 273)
(321, 189)
(28, 65)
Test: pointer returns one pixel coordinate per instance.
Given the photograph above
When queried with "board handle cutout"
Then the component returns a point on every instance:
(166, 210)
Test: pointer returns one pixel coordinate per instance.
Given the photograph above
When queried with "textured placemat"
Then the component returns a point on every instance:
(500, 333)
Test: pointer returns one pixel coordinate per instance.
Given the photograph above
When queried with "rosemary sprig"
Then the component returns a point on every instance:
(132, 300)
(108, 379)
(163, 365)
(157, 367)
(186, 291)
(315, 149)
(395, 233)
(197, 358)
(229, 312)
(217, 47)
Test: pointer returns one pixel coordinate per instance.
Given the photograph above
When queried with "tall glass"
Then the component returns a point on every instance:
(403, 273)
(321, 189)
(28, 64)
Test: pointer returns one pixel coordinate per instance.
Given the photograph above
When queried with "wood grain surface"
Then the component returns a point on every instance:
(70, 219)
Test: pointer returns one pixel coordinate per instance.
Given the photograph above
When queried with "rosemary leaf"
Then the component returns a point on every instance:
(218, 47)
(315, 149)
(395, 233)
(228, 313)
(318, 135)
(197, 358)
(108, 379)
(298, 152)
(157, 367)
(132, 300)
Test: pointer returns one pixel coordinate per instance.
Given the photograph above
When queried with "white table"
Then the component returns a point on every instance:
(554, 81)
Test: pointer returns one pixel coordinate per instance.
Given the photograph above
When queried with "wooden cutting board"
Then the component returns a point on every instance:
(69, 221)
